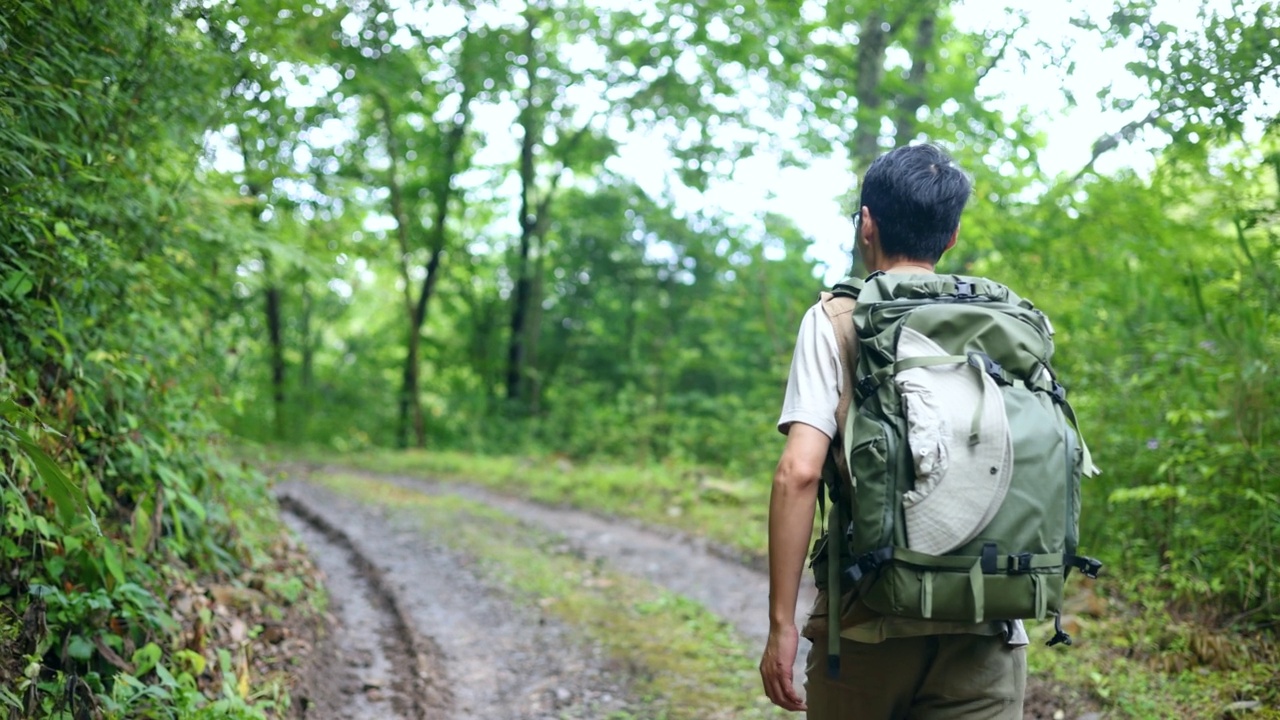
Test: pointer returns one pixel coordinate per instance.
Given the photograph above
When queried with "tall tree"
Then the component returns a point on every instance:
(555, 138)
(585, 74)
(418, 83)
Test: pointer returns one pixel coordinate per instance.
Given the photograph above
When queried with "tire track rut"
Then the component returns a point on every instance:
(473, 652)
(683, 564)
(381, 652)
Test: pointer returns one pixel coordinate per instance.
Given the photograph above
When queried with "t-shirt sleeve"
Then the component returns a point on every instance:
(814, 385)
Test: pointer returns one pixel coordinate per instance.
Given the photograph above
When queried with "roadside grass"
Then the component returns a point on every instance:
(1137, 660)
(682, 660)
(1135, 655)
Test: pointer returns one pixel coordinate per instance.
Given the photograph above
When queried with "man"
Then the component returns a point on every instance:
(890, 667)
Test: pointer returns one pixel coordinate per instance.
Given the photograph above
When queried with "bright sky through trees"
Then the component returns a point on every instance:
(814, 197)
(1066, 102)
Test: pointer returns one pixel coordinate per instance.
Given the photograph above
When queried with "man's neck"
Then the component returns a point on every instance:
(909, 268)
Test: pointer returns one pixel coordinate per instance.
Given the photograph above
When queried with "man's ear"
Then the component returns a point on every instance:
(955, 235)
(869, 228)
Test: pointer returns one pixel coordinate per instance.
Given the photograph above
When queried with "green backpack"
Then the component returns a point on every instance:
(961, 500)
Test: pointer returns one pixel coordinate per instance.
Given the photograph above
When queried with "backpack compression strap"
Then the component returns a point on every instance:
(839, 305)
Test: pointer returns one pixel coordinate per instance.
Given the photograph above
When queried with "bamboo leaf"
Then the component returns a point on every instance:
(69, 499)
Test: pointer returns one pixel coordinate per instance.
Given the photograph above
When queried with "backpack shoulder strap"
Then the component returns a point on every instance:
(849, 287)
(839, 305)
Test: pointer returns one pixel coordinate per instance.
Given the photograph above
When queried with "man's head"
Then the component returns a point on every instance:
(913, 196)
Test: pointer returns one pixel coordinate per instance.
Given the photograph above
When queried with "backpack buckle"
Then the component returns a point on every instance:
(983, 362)
(1086, 565)
(964, 289)
(866, 386)
(1020, 563)
(1058, 393)
(868, 563)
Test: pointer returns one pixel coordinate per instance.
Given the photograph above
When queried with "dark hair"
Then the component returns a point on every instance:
(915, 194)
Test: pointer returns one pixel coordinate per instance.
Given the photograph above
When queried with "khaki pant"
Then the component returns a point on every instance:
(933, 677)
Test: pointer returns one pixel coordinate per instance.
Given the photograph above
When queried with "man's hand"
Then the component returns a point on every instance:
(795, 492)
(775, 668)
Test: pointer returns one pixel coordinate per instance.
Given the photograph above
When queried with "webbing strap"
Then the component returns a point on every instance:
(1003, 563)
(926, 594)
(978, 587)
(1042, 600)
(839, 307)
(1042, 381)
(834, 530)
(869, 383)
(975, 426)
(926, 361)
(1090, 469)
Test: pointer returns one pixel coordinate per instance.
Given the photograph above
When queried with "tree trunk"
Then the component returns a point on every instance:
(905, 128)
(443, 194)
(534, 375)
(275, 339)
(410, 402)
(528, 224)
(306, 376)
(872, 40)
(307, 373)
(273, 299)
(410, 406)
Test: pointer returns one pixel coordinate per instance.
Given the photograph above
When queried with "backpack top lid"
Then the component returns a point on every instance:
(882, 286)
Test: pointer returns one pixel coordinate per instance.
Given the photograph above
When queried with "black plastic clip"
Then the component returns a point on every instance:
(1058, 393)
(1059, 637)
(867, 564)
(866, 386)
(964, 289)
(983, 362)
(988, 561)
(1020, 563)
(1084, 564)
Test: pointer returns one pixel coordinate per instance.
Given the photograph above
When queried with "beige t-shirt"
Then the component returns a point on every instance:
(813, 392)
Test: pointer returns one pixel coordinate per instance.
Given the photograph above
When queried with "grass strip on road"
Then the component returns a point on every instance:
(732, 512)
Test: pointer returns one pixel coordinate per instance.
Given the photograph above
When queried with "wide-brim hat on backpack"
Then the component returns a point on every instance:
(958, 433)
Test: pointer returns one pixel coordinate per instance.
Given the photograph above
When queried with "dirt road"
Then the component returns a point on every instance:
(408, 646)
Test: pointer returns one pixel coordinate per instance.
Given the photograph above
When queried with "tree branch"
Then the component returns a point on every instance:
(1107, 143)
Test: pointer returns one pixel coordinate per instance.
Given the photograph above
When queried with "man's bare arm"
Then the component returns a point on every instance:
(791, 506)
